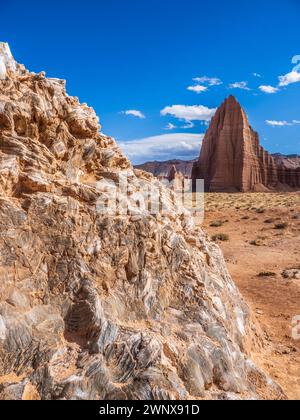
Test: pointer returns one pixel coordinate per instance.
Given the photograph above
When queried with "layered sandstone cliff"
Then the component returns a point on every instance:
(96, 303)
(232, 159)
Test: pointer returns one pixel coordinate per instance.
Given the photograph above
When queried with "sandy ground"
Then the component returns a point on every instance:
(257, 254)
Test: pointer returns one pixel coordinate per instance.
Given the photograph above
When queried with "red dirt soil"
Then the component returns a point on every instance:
(257, 254)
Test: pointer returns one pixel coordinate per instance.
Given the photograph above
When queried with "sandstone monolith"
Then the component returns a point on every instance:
(233, 160)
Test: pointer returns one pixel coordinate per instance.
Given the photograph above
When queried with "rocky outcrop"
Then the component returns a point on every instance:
(232, 159)
(96, 303)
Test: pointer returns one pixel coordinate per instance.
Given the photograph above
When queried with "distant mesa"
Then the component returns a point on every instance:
(232, 159)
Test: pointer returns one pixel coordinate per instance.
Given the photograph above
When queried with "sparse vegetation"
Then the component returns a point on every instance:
(221, 237)
(217, 224)
(267, 274)
(267, 271)
(253, 201)
(270, 221)
(292, 273)
(281, 226)
(257, 242)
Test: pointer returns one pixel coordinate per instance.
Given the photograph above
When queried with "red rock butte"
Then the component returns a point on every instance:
(232, 158)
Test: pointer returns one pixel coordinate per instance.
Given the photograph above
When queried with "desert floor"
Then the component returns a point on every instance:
(260, 237)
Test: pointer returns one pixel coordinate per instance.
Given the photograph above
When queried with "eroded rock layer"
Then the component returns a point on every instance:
(97, 305)
(232, 159)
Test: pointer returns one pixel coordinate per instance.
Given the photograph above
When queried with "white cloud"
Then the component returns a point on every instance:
(197, 88)
(134, 113)
(274, 123)
(170, 126)
(257, 75)
(189, 113)
(164, 147)
(289, 78)
(268, 89)
(239, 85)
(210, 81)
(188, 125)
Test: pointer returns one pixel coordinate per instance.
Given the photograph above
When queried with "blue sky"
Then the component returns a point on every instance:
(143, 55)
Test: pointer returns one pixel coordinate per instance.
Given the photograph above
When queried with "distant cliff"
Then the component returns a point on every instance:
(162, 169)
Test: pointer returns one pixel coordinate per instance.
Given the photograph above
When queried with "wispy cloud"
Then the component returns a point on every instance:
(239, 85)
(189, 113)
(268, 89)
(165, 147)
(257, 75)
(197, 89)
(134, 113)
(170, 127)
(210, 81)
(289, 78)
(188, 125)
(275, 123)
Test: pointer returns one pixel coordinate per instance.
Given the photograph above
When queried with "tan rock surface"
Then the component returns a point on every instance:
(104, 306)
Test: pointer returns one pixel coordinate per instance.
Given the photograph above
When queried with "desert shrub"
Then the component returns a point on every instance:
(269, 221)
(292, 273)
(245, 218)
(257, 242)
(221, 237)
(281, 226)
(217, 223)
(267, 274)
(260, 211)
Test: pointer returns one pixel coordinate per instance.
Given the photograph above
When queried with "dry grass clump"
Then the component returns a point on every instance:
(222, 237)
(217, 223)
(281, 226)
(267, 274)
(269, 221)
(260, 211)
(257, 242)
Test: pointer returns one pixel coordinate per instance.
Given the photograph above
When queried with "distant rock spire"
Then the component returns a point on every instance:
(232, 158)
(172, 173)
